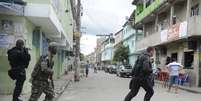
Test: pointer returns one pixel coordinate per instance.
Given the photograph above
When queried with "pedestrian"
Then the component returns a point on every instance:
(87, 66)
(142, 73)
(174, 67)
(168, 60)
(19, 59)
(95, 68)
(154, 69)
(42, 76)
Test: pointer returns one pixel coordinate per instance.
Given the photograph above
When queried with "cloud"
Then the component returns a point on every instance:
(104, 17)
(88, 43)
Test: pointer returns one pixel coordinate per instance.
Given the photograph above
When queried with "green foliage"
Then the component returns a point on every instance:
(121, 54)
(81, 56)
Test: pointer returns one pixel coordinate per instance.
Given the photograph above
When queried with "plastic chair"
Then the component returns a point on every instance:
(183, 79)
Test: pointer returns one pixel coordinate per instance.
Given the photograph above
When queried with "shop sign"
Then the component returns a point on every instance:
(173, 32)
(6, 40)
(77, 34)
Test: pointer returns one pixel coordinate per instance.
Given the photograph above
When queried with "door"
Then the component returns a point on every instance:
(200, 74)
(174, 55)
(36, 42)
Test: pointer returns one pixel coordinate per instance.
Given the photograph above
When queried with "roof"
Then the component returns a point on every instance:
(107, 39)
(131, 18)
(118, 32)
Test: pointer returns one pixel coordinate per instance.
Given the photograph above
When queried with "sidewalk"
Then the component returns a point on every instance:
(59, 84)
(186, 88)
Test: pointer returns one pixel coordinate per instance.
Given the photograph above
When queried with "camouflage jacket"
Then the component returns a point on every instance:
(43, 69)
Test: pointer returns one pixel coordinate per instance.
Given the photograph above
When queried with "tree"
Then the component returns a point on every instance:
(81, 56)
(121, 54)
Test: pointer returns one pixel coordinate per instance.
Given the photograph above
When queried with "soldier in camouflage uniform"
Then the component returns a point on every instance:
(42, 76)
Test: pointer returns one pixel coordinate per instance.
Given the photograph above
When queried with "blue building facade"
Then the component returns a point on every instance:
(107, 51)
(130, 38)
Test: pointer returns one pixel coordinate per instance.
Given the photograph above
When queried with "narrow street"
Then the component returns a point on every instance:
(107, 87)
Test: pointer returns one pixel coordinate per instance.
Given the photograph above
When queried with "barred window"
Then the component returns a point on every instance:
(195, 10)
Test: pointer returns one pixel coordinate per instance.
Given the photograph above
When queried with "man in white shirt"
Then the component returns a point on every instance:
(174, 69)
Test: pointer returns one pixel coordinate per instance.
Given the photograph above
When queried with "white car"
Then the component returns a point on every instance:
(124, 70)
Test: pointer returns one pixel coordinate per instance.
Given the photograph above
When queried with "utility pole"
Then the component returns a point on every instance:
(77, 42)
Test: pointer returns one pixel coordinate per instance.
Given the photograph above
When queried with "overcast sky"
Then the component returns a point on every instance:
(102, 17)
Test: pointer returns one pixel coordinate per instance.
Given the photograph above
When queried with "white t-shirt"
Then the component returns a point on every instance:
(174, 68)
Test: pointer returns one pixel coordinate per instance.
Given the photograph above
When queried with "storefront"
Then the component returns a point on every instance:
(185, 52)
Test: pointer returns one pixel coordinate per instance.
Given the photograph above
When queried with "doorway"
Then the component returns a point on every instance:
(174, 56)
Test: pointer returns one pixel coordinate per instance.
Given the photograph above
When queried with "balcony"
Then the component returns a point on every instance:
(151, 40)
(194, 26)
(110, 45)
(173, 33)
(147, 11)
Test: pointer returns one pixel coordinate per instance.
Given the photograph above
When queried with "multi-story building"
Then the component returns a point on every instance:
(118, 41)
(172, 26)
(37, 22)
(98, 50)
(107, 51)
(130, 37)
(91, 58)
(118, 38)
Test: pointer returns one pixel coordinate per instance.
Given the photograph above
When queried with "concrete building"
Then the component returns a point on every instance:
(98, 50)
(91, 58)
(118, 38)
(118, 41)
(172, 26)
(130, 37)
(107, 51)
(37, 22)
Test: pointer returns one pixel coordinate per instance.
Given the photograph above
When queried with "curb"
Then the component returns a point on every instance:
(190, 90)
(183, 88)
(63, 88)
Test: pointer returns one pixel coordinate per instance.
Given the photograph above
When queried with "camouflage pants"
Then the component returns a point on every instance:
(39, 87)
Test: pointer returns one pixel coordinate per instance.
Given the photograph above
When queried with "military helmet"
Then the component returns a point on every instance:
(53, 47)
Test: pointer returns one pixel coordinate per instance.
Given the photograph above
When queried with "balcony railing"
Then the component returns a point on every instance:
(150, 40)
(194, 26)
(147, 11)
(173, 33)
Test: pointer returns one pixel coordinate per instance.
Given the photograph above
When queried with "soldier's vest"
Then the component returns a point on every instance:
(44, 65)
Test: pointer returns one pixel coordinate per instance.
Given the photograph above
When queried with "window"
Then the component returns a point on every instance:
(174, 56)
(195, 10)
(174, 20)
(36, 38)
(164, 51)
(56, 5)
(157, 56)
(132, 43)
(148, 2)
(188, 59)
